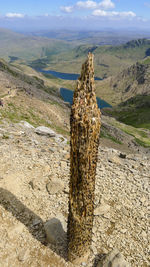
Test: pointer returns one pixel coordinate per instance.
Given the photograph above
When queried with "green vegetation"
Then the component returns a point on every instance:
(15, 114)
(141, 136)
(60, 130)
(1, 96)
(146, 60)
(67, 56)
(23, 47)
(49, 76)
(142, 143)
(106, 134)
(62, 56)
(135, 112)
(109, 60)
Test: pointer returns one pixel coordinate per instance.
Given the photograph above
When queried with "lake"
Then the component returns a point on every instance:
(62, 75)
(67, 96)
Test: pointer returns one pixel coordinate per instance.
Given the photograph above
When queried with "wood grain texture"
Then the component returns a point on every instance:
(85, 131)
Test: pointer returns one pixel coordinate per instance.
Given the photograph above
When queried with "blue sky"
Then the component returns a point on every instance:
(31, 14)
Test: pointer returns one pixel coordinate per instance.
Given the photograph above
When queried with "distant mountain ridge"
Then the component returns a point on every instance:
(53, 53)
(133, 80)
(24, 47)
(137, 43)
(101, 37)
(131, 90)
(109, 60)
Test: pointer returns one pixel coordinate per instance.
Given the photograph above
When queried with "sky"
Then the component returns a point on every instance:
(74, 14)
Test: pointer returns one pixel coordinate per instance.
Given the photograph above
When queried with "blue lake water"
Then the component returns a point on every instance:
(64, 76)
(67, 96)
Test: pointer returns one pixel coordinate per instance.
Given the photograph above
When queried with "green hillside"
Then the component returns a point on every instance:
(66, 56)
(109, 60)
(135, 111)
(132, 81)
(21, 47)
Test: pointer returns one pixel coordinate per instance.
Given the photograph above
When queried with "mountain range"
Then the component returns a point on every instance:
(125, 69)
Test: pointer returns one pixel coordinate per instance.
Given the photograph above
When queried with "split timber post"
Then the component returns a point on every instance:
(85, 131)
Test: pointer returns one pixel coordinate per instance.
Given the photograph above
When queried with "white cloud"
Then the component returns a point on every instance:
(102, 13)
(67, 9)
(106, 4)
(86, 4)
(127, 14)
(14, 15)
(99, 9)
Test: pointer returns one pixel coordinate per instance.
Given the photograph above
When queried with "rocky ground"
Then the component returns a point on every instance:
(34, 175)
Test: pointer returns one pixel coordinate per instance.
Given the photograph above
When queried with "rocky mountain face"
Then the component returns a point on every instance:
(132, 81)
(132, 91)
(136, 43)
(129, 94)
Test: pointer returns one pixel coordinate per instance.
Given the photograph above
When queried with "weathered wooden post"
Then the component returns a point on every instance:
(85, 131)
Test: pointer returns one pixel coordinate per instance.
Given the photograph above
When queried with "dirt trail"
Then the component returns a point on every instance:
(11, 93)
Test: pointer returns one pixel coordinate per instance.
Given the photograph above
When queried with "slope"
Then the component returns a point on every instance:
(34, 178)
(131, 91)
(30, 98)
(109, 60)
(18, 46)
(132, 81)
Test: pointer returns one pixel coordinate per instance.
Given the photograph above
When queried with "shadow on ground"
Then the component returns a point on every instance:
(35, 224)
(32, 221)
(98, 259)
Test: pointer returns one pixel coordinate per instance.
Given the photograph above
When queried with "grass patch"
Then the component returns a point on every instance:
(146, 61)
(60, 130)
(1, 96)
(104, 134)
(49, 76)
(142, 143)
(140, 136)
(134, 112)
(16, 114)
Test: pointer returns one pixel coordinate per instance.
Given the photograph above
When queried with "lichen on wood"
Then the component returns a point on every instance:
(85, 131)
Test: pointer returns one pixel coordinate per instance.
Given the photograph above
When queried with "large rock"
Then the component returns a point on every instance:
(54, 231)
(114, 259)
(55, 186)
(27, 124)
(42, 130)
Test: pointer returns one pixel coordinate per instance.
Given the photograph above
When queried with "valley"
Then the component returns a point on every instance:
(35, 161)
